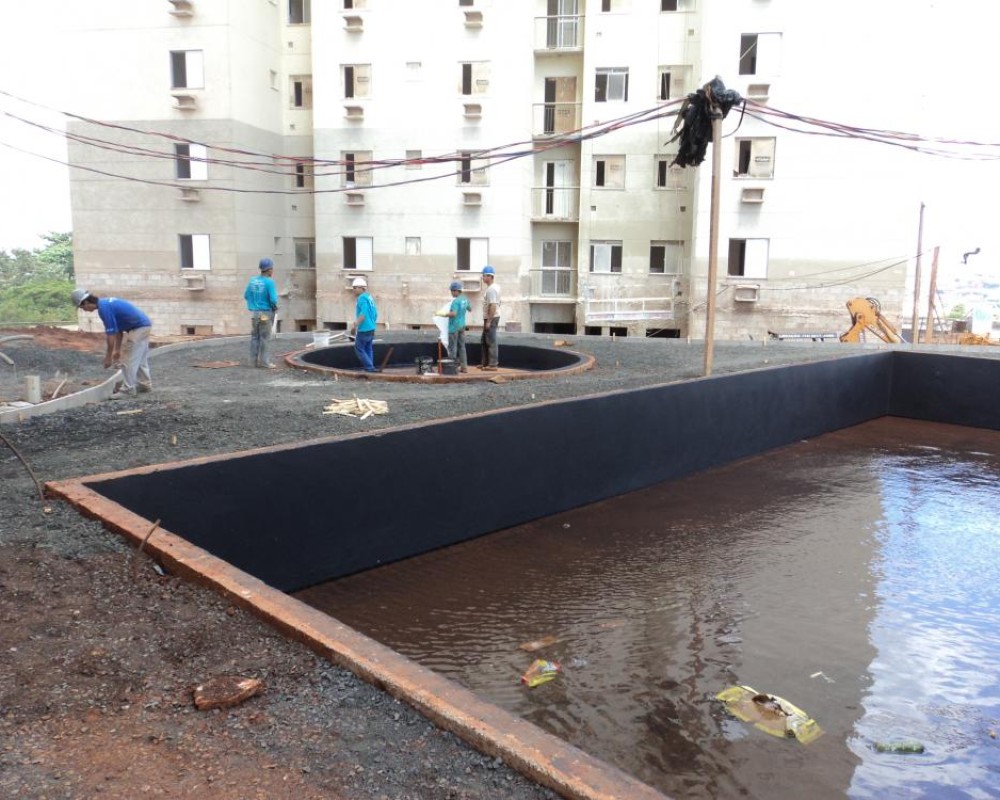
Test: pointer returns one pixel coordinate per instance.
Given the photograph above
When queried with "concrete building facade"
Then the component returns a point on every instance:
(413, 143)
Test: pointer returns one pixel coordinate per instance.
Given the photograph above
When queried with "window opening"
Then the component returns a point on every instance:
(755, 158)
(665, 258)
(748, 54)
(195, 252)
(605, 256)
(304, 176)
(190, 161)
(358, 253)
(609, 172)
(472, 254)
(305, 253)
(302, 91)
(748, 258)
(187, 69)
(611, 85)
(299, 12)
(357, 169)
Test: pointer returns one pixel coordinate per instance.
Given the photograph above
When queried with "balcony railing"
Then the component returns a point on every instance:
(628, 309)
(555, 203)
(561, 32)
(558, 283)
(554, 119)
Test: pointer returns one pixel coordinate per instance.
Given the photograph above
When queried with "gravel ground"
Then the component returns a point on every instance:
(99, 653)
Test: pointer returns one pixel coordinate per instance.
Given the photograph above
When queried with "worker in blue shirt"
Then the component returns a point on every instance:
(127, 330)
(363, 327)
(456, 325)
(262, 301)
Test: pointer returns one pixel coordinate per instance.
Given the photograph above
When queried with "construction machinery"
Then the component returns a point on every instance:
(866, 315)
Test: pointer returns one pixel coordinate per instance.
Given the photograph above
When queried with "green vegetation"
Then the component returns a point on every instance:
(958, 312)
(35, 284)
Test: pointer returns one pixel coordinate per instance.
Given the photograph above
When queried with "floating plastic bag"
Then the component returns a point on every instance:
(770, 713)
(540, 672)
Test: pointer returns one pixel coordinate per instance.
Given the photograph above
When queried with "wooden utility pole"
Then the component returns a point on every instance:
(713, 236)
(915, 330)
(931, 295)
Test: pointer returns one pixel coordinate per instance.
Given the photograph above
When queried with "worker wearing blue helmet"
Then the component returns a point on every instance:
(262, 303)
(490, 357)
(456, 325)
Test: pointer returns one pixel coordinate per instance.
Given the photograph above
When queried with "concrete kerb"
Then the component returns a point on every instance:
(92, 394)
(104, 390)
(531, 751)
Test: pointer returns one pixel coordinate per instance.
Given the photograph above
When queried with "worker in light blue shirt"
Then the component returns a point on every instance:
(363, 327)
(127, 329)
(456, 325)
(262, 302)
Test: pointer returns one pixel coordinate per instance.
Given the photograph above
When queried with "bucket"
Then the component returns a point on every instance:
(425, 365)
(448, 366)
(321, 338)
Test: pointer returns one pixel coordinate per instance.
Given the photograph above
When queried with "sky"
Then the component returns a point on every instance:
(950, 77)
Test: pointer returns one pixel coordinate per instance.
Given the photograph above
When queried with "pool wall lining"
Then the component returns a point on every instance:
(356, 502)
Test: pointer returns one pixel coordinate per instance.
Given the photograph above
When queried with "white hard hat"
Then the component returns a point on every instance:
(359, 282)
(78, 296)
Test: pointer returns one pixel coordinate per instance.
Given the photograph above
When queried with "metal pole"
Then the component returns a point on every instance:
(915, 329)
(713, 239)
(931, 293)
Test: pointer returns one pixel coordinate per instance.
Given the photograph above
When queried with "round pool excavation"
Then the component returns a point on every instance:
(427, 362)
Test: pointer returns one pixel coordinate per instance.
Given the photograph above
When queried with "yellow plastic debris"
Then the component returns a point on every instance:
(539, 672)
(770, 713)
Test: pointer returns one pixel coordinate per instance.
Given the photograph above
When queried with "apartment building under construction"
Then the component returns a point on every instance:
(415, 142)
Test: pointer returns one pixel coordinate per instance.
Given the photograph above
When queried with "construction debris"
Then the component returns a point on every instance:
(357, 407)
(538, 644)
(540, 671)
(225, 692)
(216, 364)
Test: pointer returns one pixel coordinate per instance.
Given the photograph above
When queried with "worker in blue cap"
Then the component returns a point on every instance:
(262, 301)
(491, 321)
(456, 325)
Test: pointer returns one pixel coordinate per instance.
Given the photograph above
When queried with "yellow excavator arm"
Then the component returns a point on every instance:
(866, 314)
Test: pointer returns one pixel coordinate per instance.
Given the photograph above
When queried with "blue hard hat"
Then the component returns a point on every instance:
(488, 270)
(456, 286)
(266, 263)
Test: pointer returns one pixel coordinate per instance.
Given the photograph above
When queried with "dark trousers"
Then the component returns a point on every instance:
(490, 356)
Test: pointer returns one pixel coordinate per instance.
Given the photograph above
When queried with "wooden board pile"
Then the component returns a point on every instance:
(357, 407)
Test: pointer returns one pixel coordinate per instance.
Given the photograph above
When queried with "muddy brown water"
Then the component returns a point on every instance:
(857, 575)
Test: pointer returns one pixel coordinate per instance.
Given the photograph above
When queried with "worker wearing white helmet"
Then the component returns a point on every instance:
(127, 329)
(363, 327)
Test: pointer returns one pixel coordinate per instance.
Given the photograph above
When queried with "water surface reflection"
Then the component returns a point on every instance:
(854, 574)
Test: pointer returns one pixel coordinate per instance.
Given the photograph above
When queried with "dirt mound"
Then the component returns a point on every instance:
(59, 338)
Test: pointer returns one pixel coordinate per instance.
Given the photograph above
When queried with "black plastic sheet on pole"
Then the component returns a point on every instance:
(694, 121)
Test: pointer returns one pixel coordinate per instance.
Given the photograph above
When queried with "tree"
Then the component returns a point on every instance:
(35, 284)
(57, 255)
(958, 312)
(38, 301)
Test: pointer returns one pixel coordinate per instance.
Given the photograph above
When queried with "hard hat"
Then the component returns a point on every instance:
(78, 296)
(359, 282)
(488, 270)
(456, 286)
(266, 264)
